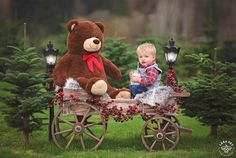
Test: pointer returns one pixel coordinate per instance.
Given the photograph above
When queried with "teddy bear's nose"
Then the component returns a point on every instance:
(96, 41)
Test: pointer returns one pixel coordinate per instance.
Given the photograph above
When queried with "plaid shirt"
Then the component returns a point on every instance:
(150, 78)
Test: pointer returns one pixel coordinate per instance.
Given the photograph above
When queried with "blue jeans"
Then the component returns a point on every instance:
(135, 89)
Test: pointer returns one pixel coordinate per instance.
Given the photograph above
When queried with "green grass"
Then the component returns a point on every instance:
(122, 140)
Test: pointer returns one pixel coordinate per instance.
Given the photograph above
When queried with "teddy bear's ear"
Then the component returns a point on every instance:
(71, 25)
(100, 25)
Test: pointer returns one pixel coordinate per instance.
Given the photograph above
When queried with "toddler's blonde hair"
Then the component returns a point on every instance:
(147, 48)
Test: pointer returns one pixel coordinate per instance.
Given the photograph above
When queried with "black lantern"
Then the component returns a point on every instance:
(50, 55)
(171, 53)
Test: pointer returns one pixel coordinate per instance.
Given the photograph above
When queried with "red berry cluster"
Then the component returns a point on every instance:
(170, 81)
(93, 100)
(119, 114)
(146, 117)
(59, 99)
(59, 95)
(115, 112)
(133, 110)
(51, 103)
(75, 99)
(163, 109)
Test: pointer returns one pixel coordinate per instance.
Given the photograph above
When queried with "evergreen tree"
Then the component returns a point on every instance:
(5, 88)
(29, 95)
(118, 53)
(213, 92)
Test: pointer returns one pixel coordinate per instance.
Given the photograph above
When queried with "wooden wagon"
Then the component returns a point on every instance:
(82, 120)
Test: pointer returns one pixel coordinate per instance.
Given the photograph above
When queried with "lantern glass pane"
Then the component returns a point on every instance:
(51, 59)
(171, 57)
(166, 56)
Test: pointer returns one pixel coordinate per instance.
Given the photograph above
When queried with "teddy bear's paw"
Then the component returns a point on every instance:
(123, 95)
(99, 88)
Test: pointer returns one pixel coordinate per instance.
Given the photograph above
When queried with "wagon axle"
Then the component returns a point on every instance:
(159, 136)
(78, 128)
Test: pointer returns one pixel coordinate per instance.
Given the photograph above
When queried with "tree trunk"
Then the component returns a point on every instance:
(26, 129)
(214, 132)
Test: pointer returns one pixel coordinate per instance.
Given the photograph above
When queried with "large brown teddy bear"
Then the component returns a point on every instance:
(83, 62)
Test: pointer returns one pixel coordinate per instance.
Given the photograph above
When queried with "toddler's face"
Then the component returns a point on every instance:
(146, 58)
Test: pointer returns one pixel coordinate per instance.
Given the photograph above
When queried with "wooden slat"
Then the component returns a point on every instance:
(171, 114)
(185, 130)
(119, 103)
(182, 94)
(80, 93)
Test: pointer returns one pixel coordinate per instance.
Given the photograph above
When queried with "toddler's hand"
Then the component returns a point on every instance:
(131, 73)
(135, 79)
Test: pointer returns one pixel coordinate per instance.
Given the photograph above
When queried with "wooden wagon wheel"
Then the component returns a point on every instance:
(160, 133)
(87, 132)
(174, 119)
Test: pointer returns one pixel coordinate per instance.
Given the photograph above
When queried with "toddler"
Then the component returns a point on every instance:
(148, 74)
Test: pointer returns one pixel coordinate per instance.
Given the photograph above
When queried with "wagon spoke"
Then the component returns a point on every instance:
(82, 141)
(166, 125)
(68, 144)
(169, 133)
(158, 124)
(148, 136)
(169, 140)
(151, 128)
(163, 146)
(76, 119)
(65, 131)
(92, 136)
(64, 120)
(85, 115)
(68, 134)
(93, 124)
(56, 124)
(153, 144)
(90, 131)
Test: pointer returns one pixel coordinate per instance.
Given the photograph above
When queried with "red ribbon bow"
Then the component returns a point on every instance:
(92, 59)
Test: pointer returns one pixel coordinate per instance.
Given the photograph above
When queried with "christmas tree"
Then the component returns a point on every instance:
(213, 92)
(118, 53)
(28, 97)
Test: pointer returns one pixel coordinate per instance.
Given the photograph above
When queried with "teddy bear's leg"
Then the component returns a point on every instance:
(123, 93)
(95, 86)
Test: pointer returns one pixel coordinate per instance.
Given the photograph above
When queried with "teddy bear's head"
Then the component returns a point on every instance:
(85, 37)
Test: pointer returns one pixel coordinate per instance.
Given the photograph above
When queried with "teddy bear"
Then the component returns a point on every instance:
(84, 62)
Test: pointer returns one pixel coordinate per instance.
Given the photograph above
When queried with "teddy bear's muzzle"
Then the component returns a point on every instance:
(92, 44)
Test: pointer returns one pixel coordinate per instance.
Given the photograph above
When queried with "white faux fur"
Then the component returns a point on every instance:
(71, 84)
